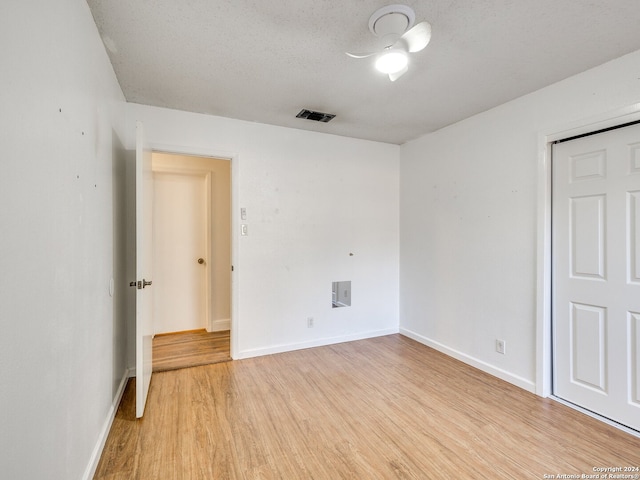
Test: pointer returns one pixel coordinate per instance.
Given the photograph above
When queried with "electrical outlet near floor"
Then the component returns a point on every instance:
(501, 346)
(309, 322)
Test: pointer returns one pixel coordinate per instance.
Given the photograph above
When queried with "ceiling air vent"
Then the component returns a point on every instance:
(316, 116)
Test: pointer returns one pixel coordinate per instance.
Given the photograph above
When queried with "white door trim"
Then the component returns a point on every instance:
(543, 250)
(235, 226)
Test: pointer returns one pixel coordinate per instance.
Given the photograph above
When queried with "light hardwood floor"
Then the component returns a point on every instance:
(382, 408)
(189, 349)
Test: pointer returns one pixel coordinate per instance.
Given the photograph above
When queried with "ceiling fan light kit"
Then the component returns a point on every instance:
(394, 25)
(392, 60)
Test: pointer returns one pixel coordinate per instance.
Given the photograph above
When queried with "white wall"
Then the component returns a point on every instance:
(311, 200)
(62, 346)
(469, 220)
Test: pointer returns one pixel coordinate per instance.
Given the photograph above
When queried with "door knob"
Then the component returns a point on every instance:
(146, 283)
(201, 261)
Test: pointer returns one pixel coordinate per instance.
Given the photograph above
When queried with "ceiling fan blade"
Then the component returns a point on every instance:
(394, 76)
(361, 55)
(417, 37)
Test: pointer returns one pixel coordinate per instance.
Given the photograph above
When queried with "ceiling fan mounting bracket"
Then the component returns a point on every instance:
(392, 19)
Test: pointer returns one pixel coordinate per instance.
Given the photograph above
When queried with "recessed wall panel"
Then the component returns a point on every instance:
(588, 345)
(587, 256)
(588, 166)
(633, 228)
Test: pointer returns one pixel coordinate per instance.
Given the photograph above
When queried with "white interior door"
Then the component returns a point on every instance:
(180, 252)
(144, 271)
(596, 274)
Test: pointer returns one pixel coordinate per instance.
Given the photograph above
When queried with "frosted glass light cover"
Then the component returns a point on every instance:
(392, 61)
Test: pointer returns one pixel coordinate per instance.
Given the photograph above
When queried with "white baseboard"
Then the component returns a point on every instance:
(474, 362)
(106, 427)
(220, 325)
(257, 352)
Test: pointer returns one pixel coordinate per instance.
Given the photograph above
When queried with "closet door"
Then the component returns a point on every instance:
(596, 273)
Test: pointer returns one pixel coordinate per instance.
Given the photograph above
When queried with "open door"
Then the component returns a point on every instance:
(144, 251)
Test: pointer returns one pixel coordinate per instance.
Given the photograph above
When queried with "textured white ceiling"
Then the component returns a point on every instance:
(264, 61)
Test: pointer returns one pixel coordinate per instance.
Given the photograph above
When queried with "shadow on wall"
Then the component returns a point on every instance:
(119, 285)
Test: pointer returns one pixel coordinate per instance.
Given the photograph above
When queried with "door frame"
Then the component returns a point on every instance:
(206, 175)
(233, 158)
(544, 259)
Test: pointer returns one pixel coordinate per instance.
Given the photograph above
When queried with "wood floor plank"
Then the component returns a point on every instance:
(382, 408)
(190, 349)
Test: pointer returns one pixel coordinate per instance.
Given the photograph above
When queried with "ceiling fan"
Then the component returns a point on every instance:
(394, 25)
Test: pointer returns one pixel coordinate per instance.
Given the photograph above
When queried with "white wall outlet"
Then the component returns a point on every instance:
(309, 322)
(501, 346)
(243, 213)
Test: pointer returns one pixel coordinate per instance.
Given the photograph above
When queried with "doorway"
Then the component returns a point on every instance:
(192, 260)
(596, 273)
